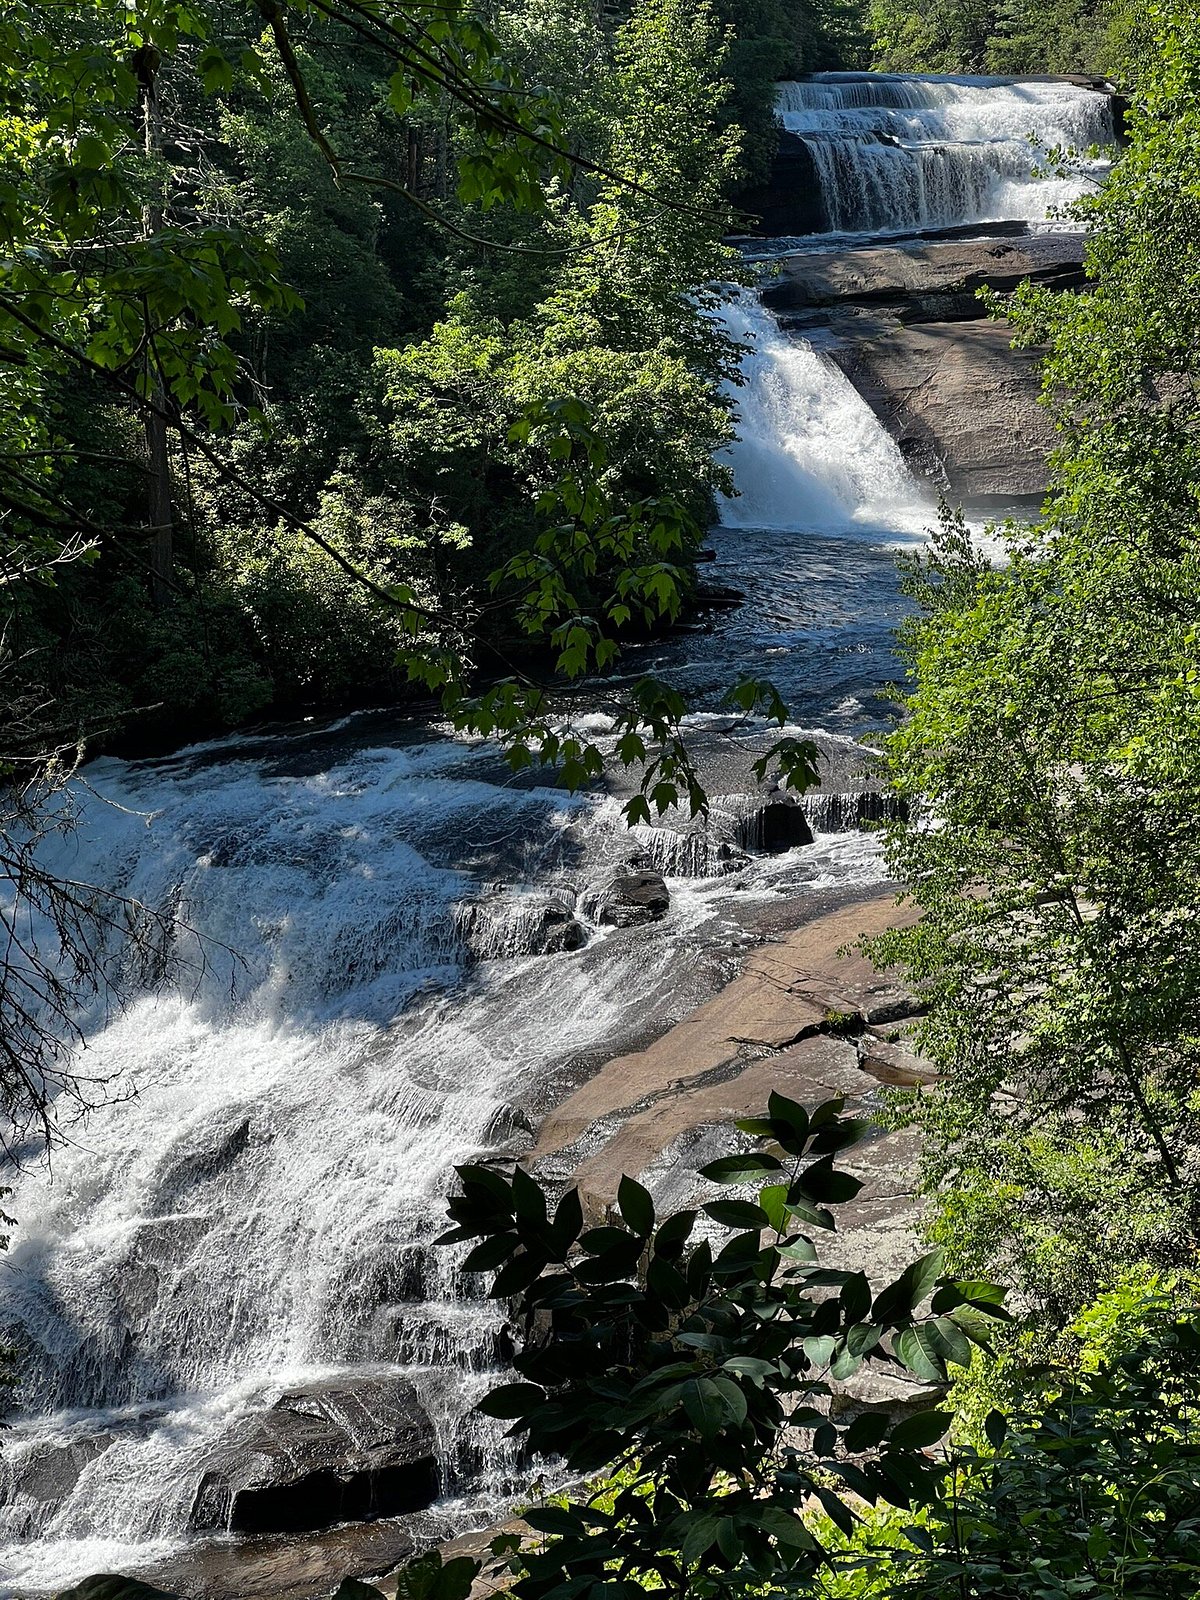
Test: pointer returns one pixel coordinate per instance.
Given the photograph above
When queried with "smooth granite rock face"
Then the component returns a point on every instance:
(338, 1451)
(911, 333)
(961, 403)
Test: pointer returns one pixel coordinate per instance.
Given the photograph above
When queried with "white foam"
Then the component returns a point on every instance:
(811, 455)
(897, 153)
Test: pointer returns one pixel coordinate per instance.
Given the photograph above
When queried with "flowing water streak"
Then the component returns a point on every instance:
(894, 154)
(811, 454)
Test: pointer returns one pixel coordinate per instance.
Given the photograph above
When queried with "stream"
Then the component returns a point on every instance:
(384, 961)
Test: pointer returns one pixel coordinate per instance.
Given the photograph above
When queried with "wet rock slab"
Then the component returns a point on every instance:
(961, 403)
(909, 272)
(906, 325)
(783, 1023)
(339, 1451)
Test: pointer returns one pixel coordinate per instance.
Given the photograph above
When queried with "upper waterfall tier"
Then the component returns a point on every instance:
(895, 154)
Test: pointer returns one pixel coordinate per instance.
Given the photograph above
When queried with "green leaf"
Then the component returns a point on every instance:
(700, 1537)
(512, 1400)
(822, 1183)
(752, 1367)
(728, 1541)
(738, 1214)
(741, 1169)
(856, 1297)
(736, 1406)
(920, 1431)
(561, 1521)
(773, 1199)
(797, 1249)
(636, 1206)
(427, 1578)
(790, 1114)
(844, 1364)
(704, 1405)
(90, 151)
(951, 1341)
(1099, 1543)
(786, 1528)
(919, 1352)
(819, 1349)
(901, 1298)
(667, 1283)
(491, 1253)
(865, 1432)
(995, 1429)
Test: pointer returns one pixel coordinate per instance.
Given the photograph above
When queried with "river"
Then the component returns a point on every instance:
(375, 980)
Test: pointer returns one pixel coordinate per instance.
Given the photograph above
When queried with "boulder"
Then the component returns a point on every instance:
(781, 824)
(343, 1450)
(500, 925)
(112, 1586)
(627, 899)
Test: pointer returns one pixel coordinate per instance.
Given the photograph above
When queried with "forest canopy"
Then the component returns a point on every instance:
(1106, 37)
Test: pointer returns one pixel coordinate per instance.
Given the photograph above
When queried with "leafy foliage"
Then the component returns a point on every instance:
(1093, 1488)
(1011, 36)
(694, 1360)
(1052, 734)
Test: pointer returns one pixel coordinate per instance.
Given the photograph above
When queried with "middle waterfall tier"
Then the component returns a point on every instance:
(811, 456)
(895, 154)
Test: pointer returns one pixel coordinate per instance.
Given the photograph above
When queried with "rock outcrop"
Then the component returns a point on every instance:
(502, 924)
(338, 1451)
(806, 1016)
(909, 330)
(37, 1479)
(790, 204)
(627, 899)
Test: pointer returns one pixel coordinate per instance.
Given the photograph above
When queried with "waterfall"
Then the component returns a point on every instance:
(382, 968)
(811, 455)
(893, 154)
(260, 1211)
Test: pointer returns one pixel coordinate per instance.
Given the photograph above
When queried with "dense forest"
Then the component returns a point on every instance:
(362, 334)
(1010, 36)
(351, 355)
(363, 316)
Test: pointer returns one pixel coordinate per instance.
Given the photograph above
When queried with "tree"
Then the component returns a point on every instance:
(1052, 733)
(1011, 36)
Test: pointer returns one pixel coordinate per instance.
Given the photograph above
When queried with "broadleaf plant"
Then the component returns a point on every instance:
(696, 1364)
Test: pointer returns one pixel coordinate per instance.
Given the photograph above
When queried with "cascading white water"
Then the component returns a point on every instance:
(810, 453)
(259, 1214)
(893, 154)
